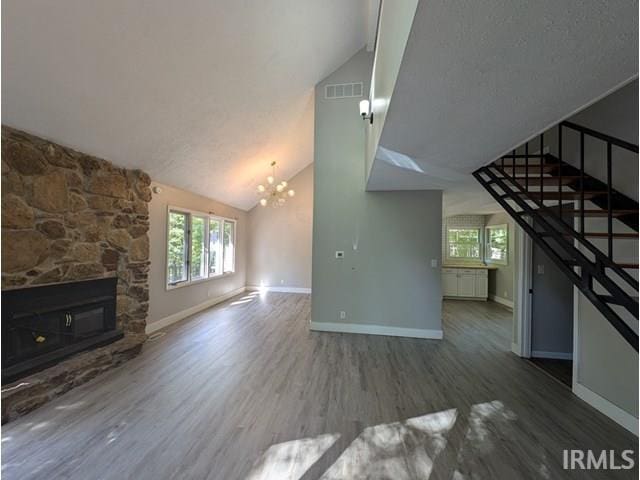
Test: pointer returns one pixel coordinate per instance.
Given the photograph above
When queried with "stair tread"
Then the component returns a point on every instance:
(555, 182)
(592, 212)
(550, 180)
(569, 194)
(597, 235)
(520, 167)
(587, 212)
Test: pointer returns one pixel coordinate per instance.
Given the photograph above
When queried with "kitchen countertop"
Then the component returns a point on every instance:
(479, 267)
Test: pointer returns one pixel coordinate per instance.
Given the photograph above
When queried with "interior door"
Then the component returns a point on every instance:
(551, 308)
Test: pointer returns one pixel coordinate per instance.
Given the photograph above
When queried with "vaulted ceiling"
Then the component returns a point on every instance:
(202, 95)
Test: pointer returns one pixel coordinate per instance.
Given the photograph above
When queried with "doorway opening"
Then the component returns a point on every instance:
(551, 317)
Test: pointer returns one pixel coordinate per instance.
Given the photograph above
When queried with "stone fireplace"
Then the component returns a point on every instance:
(69, 219)
(43, 325)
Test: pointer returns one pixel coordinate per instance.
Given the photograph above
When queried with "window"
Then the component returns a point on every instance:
(215, 247)
(229, 240)
(177, 248)
(463, 243)
(497, 244)
(199, 246)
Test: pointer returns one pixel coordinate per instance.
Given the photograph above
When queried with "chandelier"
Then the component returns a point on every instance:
(274, 193)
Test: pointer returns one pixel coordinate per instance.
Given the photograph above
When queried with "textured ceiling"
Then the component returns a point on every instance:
(479, 78)
(202, 95)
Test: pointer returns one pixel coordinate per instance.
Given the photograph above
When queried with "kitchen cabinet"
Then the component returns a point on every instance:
(461, 282)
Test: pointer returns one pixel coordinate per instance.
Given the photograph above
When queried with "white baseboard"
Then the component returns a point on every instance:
(603, 405)
(552, 355)
(176, 317)
(501, 301)
(376, 330)
(279, 289)
(515, 348)
(466, 299)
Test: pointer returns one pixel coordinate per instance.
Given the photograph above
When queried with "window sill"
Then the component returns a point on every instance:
(200, 280)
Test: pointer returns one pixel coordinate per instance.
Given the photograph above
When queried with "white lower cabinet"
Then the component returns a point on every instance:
(467, 285)
(482, 286)
(449, 284)
(465, 282)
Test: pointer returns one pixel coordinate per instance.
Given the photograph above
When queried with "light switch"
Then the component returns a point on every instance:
(339, 253)
(434, 263)
(541, 269)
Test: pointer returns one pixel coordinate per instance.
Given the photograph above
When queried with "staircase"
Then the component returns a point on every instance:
(582, 223)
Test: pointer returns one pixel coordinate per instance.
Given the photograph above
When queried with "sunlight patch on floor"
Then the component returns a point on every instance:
(240, 302)
(488, 423)
(290, 460)
(399, 450)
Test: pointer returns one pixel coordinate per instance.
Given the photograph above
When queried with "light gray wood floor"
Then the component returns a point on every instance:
(245, 390)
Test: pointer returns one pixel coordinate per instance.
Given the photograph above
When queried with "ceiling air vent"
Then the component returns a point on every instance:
(343, 90)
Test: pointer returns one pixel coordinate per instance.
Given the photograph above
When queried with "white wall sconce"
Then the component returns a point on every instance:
(365, 111)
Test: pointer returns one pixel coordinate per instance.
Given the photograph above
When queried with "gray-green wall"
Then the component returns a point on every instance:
(389, 238)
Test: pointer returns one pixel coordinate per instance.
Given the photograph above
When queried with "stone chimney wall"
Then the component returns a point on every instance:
(67, 216)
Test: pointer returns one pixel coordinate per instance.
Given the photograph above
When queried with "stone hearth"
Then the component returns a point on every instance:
(68, 216)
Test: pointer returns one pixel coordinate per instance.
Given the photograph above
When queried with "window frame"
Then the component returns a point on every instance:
(233, 246)
(219, 249)
(185, 254)
(480, 244)
(209, 216)
(487, 244)
(205, 246)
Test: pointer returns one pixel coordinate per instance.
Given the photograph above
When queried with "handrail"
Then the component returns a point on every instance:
(570, 247)
(601, 136)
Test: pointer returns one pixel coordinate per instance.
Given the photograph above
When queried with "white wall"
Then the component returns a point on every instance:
(164, 303)
(396, 19)
(385, 282)
(615, 115)
(502, 280)
(279, 239)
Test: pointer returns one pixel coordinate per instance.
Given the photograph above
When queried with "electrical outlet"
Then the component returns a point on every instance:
(541, 269)
(281, 282)
(505, 294)
(434, 263)
(343, 315)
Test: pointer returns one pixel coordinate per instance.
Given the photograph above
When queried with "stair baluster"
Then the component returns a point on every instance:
(568, 245)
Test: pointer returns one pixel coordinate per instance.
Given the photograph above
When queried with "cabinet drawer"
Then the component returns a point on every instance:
(449, 270)
(468, 271)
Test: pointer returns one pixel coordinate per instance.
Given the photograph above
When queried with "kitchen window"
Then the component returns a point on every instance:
(463, 243)
(497, 244)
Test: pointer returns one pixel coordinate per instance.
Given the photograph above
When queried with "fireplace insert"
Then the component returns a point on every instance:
(43, 325)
